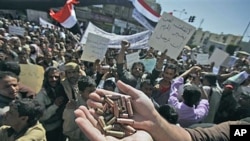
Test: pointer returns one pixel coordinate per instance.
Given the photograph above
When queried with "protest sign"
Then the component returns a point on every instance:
(32, 76)
(131, 58)
(202, 59)
(137, 41)
(15, 30)
(149, 64)
(230, 61)
(218, 57)
(171, 33)
(96, 47)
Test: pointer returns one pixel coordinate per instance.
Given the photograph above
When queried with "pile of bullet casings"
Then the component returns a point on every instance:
(115, 117)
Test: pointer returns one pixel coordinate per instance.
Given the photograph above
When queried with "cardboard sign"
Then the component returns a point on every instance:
(230, 61)
(96, 48)
(32, 76)
(202, 59)
(131, 58)
(15, 30)
(171, 33)
(149, 64)
(218, 57)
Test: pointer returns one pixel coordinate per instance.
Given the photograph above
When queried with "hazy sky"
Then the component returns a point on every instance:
(227, 16)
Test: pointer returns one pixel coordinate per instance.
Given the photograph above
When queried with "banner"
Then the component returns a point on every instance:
(137, 41)
(45, 24)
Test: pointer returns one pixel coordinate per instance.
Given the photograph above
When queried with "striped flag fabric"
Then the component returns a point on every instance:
(146, 10)
(66, 16)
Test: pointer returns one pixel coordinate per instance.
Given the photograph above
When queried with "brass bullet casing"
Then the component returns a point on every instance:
(125, 121)
(99, 111)
(101, 121)
(123, 115)
(124, 105)
(129, 108)
(111, 121)
(129, 128)
(115, 116)
(109, 127)
(116, 110)
(105, 107)
(118, 134)
(109, 101)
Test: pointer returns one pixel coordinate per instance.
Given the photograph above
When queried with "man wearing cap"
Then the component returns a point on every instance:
(72, 73)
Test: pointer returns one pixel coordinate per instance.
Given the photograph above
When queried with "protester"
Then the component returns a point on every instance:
(9, 90)
(86, 85)
(54, 102)
(21, 122)
(194, 107)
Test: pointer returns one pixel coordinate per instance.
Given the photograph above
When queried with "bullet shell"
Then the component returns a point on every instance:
(116, 133)
(116, 110)
(125, 121)
(109, 127)
(99, 111)
(129, 128)
(123, 115)
(129, 108)
(124, 105)
(109, 101)
(111, 121)
(101, 121)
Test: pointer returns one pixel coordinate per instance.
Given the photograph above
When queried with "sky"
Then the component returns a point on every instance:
(220, 16)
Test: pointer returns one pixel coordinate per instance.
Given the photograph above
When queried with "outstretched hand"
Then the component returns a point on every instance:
(141, 104)
(88, 125)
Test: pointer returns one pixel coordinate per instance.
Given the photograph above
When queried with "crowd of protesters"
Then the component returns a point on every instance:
(185, 93)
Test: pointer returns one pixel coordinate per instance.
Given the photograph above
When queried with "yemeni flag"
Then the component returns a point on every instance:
(144, 14)
(67, 16)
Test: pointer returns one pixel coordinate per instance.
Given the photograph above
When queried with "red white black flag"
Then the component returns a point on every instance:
(66, 16)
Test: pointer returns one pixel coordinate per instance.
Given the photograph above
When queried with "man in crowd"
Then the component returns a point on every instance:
(21, 122)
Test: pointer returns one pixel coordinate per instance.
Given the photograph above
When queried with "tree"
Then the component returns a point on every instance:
(230, 49)
(211, 48)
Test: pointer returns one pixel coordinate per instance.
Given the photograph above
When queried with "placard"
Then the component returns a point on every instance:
(230, 61)
(202, 59)
(149, 64)
(96, 48)
(32, 76)
(16, 30)
(218, 57)
(171, 33)
(131, 58)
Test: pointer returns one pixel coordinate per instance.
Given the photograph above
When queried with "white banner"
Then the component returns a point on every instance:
(137, 41)
(142, 20)
(44, 23)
